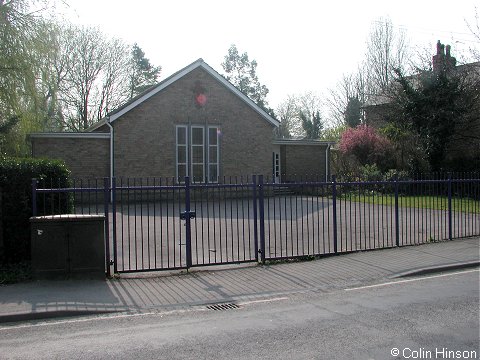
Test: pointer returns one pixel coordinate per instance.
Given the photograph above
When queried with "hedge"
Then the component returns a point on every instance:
(16, 176)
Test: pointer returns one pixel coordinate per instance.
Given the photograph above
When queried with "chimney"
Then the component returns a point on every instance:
(438, 60)
(450, 61)
(443, 60)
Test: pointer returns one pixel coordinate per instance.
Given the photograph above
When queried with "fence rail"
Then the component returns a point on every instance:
(155, 224)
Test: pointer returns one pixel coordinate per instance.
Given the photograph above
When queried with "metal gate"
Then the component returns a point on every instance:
(157, 226)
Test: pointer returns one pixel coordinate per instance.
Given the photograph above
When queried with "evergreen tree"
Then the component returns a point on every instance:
(142, 73)
(312, 124)
(353, 116)
(242, 73)
(439, 107)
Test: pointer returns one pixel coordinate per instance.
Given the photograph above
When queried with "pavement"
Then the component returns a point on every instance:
(162, 291)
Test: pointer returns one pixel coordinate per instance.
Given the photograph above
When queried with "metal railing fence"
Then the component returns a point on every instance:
(157, 224)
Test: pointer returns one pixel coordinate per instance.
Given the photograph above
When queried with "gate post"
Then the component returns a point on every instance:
(188, 235)
(397, 224)
(255, 216)
(334, 209)
(450, 206)
(106, 198)
(262, 218)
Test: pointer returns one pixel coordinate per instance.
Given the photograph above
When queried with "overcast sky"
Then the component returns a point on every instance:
(299, 45)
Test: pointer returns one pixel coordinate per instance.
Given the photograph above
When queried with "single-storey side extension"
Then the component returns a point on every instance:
(193, 123)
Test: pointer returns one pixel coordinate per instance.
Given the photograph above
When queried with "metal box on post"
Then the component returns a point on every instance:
(68, 246)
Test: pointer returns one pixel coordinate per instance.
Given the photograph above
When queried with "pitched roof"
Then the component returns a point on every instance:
(115, 114)
(386, 98)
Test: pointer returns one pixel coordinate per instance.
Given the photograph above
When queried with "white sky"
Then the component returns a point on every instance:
(299, 45)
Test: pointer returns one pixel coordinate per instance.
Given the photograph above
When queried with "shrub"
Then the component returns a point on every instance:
(371, 173)
(16, 191)
(394, 174)
(367, 147)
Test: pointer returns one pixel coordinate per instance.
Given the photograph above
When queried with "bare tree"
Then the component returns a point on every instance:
(291, 109)
(387, 50)
(474, 28)
(94, 76)
(90, 60)
(286, 113)
(84, 76)
(350, 86)
(421, 58)
(56, 76)
(114, 90)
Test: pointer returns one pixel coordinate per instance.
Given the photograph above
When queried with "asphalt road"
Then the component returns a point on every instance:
(428, 316)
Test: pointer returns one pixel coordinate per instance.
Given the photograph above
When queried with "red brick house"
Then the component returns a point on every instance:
(464, 142)
(192, 123)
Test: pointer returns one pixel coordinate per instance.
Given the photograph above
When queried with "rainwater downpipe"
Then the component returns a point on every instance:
(111, 154)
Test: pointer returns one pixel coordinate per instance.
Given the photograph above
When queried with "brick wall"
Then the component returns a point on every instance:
(304, 160)
(145, 136)
(377, 115)
(86, 158)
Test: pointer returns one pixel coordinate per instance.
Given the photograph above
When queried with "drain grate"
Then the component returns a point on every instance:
(227, 306)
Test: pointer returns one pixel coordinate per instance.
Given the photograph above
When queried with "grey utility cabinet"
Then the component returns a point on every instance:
(68, 246)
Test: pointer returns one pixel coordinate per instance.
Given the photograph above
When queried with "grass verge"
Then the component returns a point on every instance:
(421, 202)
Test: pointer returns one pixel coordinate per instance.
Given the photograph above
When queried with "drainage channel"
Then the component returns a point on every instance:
(222, 307)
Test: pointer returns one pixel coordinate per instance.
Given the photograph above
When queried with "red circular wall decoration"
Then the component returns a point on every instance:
(199, 93)
(201, 99)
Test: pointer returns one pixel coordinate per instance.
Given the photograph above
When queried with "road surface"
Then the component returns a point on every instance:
(431, 316)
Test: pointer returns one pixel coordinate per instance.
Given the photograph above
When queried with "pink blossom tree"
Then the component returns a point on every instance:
(366, 146)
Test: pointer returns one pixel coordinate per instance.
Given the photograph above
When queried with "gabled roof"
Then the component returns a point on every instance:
(114, 115)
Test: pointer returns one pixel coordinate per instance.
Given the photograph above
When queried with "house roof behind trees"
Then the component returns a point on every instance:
(441, 61)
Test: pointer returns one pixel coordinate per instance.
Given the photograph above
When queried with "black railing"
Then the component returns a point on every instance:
(155, 224)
